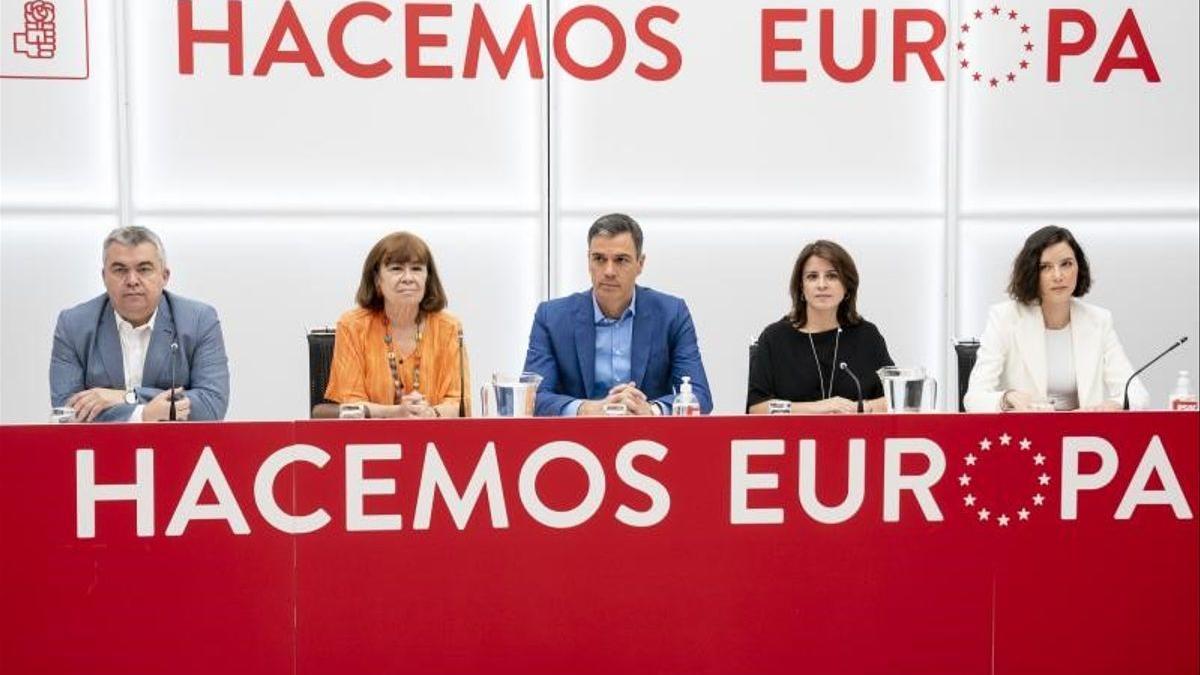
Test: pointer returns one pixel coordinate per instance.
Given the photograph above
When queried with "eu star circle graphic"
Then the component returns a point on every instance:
(973, 471)
(994, 23)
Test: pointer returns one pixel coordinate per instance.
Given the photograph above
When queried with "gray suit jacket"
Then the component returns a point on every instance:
(87, 354)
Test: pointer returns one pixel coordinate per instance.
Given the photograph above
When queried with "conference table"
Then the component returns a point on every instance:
(919, 543)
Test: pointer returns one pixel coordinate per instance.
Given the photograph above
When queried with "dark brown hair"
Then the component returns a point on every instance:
(847, 312)
(1025, 284)
(614, 224)
(400, 247)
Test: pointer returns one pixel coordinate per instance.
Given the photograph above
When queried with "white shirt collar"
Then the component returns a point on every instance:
(127, 327)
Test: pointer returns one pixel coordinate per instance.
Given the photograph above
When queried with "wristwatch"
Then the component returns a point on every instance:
(131, 397)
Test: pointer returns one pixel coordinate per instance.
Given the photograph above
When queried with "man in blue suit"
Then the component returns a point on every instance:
(116, 356)
(618, 343)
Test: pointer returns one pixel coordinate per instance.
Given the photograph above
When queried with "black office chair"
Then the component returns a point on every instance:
(320, 358)
(966, 350)
(750, 364)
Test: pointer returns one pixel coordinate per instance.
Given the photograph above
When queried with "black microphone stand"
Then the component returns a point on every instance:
(171, 409)
(1168, 350)
(462, 378)
(857, 384)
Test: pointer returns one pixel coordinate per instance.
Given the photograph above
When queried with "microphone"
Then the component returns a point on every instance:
(857, 384)
(1168, 350)
(174, 353)
(462, 377)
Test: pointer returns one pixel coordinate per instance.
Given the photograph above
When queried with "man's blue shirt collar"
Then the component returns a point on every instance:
(630, 311)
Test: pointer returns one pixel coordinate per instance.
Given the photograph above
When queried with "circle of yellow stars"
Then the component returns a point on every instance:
(972, 502)
(995, 12)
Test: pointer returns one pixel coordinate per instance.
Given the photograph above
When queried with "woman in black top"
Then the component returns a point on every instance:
(798, 357)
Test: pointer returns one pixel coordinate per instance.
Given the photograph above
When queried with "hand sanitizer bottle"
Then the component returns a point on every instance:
(685, 401)
(1182, 397)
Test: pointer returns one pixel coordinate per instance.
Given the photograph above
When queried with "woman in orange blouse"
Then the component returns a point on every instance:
(399, 351)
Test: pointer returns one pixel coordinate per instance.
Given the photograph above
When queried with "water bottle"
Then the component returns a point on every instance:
(685, 401)
(1182, 397)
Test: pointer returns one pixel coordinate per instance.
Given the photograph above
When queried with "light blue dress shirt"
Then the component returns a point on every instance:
(614, 343)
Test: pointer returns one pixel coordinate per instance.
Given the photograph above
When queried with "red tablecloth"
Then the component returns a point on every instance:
(907, 543)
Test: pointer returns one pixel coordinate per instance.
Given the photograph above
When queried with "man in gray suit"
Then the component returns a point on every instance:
(116, 356)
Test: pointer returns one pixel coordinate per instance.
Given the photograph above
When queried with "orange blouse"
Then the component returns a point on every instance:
(360, 371)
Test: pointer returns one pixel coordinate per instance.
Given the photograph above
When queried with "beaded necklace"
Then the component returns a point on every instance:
(394, 360)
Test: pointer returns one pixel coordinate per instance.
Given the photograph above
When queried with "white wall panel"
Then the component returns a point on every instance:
(271, 279)
(60, 136)
(287, 140)
(715, 136)
(47, 263)
(1146, 272)
(734, 275)
(1079, 144)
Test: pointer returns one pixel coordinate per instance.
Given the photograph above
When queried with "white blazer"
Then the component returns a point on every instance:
(1012, 355)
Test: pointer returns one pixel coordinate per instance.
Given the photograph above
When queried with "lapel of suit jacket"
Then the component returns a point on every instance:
(1033, 345)
(1085, 346)
(585, 341)
(643, 331)
(108, 344)
(158, 354)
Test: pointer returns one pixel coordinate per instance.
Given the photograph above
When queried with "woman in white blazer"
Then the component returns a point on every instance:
(1046, 347)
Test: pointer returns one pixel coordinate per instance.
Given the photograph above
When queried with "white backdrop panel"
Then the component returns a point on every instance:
(47, 263)
(216, 141)
(1080, 144)
(716, 136)
(734, 275)
(1146, 272)
(60, 136)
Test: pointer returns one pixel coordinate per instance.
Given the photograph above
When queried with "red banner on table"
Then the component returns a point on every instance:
(906, 543)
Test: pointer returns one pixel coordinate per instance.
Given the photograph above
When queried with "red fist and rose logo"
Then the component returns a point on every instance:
(39, 39)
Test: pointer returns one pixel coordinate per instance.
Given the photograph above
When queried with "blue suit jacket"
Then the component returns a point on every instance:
(87, 354)
(562, 349)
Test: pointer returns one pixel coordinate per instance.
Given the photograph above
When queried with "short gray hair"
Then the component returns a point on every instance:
(132, 235)
(617, 223)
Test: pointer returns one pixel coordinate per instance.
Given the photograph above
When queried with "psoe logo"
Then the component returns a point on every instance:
(44, 39)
